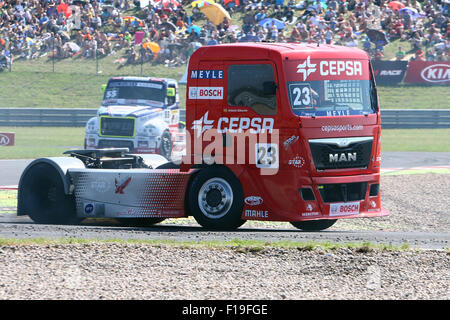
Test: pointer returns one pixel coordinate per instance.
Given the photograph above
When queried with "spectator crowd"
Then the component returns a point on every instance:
(168, 31)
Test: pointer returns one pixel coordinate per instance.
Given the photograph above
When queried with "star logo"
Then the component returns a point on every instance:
(202, 124)
(306, 68)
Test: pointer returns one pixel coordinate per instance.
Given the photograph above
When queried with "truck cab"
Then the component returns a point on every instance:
(138, 113)
(312, 121)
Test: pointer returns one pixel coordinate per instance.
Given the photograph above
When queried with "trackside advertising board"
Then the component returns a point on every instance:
(389, 72)
(6, 139)
(428, 72)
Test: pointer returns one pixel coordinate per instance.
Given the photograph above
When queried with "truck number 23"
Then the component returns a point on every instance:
(266, 155)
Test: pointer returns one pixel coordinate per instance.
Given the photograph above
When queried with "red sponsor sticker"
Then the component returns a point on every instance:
(6, 139)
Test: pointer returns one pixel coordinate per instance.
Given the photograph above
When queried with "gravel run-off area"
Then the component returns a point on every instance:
(143, 271)
(103, 270)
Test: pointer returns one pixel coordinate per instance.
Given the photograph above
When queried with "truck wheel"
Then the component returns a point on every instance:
(44, 199)
(216, 199)
(166, 145)
(314, 225)
(139, 222)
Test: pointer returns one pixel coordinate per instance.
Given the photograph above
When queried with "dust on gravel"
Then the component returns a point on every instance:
(144, 271)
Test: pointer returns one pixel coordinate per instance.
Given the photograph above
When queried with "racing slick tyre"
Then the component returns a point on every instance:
(314, 225)
(44, 199)
(216, 199)
(139, 222)
(166, 145)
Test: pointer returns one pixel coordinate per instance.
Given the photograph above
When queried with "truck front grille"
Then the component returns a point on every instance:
(341, 153)
(343, 192)
(117, 127)
(103, 144)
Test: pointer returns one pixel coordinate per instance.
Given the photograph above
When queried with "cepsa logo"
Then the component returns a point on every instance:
(436, 73)
(233, 124)
(330, 68)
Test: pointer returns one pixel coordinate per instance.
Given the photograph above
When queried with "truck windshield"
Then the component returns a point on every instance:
(332, 97)
(134, 93)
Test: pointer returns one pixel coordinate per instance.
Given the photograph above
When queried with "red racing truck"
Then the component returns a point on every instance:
(275, 132)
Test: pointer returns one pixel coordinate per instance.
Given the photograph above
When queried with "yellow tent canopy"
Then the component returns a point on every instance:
(215, 13)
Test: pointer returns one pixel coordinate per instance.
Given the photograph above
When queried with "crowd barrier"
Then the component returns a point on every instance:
(27, 117)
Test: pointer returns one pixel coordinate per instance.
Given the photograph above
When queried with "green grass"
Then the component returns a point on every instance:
(414, 97)
(238, 245)
(34, 142)
(422, 140)
(75, 83)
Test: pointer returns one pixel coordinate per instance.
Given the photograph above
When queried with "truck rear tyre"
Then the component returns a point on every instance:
(44, 199)
(314, 225)
(216, 199)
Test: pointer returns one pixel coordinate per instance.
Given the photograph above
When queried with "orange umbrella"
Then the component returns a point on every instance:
(215, 13)
(152, 46)
(396, 5)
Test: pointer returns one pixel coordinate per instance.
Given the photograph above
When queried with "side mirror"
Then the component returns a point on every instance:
(103, 87)
(171, 92)
(269, 88)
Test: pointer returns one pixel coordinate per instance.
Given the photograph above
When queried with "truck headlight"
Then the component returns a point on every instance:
(91, 126)
(147, 130)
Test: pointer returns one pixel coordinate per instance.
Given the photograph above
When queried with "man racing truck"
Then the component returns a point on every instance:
(275, 132)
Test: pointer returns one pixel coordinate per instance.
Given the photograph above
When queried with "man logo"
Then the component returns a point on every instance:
(342, 157)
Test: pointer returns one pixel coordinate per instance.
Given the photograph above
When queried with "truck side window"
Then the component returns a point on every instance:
(253, 86)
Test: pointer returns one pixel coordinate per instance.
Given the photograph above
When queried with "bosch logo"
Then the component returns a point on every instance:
(342, 157)
(213, 93)
(253, 200)
(436, 73)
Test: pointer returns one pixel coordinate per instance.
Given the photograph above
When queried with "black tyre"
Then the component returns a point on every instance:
(44, 199)
(166, 145)
(216, 199)
(314, 225)
(139, 222)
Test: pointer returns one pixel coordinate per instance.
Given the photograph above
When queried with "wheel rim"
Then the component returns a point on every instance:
(215, 198)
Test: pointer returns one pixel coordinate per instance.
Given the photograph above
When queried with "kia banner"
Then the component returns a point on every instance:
(389, 72)
(428, 72)
(6, 139)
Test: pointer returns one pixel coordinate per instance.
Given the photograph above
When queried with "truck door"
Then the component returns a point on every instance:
(205, 97)
(251, 106)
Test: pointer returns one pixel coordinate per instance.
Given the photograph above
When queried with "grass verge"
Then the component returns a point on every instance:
(243, 246)
(35, 142)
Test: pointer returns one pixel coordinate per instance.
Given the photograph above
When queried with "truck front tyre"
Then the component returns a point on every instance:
(216, 199)
(166, 145)
(44, 199)
(314, 225)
